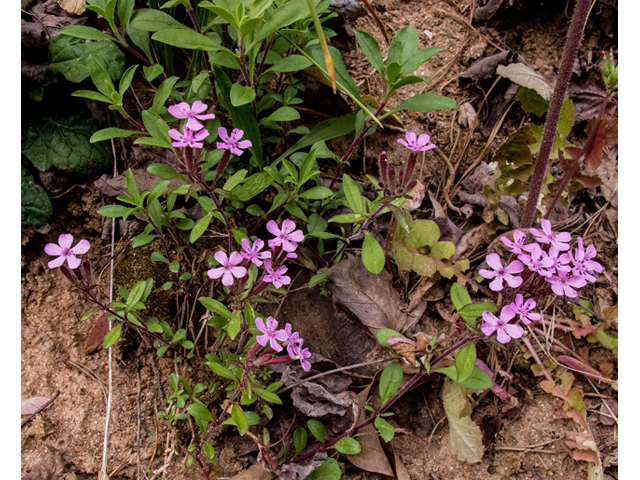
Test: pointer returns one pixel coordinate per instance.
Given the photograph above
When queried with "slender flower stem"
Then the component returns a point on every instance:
(194, 20)
(355, 143)
(571, 48)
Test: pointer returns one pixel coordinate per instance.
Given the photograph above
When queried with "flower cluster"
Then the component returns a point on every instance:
(551, 258)
(282, 247)
(193, 132)
(271, 336)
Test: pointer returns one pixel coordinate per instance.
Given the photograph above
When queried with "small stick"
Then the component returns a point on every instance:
(535, 356)
(30, 417)
(138, 415)
(434, 429)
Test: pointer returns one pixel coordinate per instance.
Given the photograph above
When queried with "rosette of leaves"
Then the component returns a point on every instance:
(417, 248)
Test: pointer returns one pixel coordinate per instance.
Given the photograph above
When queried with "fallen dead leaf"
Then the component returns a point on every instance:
(371, 298)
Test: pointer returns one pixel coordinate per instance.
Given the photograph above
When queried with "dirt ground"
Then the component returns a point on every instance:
(528, 445)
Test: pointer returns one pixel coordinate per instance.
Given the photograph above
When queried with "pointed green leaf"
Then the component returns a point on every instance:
(371, 48)
(112, 336)
(372, 254)
(348, 446)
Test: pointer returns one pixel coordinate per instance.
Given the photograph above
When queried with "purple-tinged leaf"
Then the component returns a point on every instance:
(31, 405)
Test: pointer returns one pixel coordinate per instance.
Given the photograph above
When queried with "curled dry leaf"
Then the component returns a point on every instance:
(371, 298)
(31, 405)
(72, 6)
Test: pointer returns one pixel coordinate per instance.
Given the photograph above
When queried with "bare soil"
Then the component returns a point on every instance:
(53, 335)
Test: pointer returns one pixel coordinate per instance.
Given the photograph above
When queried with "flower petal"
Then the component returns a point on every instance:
(273, 229)
(81, 247)
(215, 273)
(53, 249)
(493, 260)
(73, 261)
(56, 262)
(65, 240)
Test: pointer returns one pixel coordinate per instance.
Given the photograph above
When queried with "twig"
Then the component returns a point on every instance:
(30, 417)
(138, 415)
(434, 429)
(528, 447)
(535, 356)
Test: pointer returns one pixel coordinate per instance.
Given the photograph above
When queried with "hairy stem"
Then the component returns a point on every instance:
(574, 38)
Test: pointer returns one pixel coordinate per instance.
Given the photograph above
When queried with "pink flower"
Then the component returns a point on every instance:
(293, 339)
(523, 308)
(228, 270)
(286, 236)
(271, 335)
(64, 251)
(583, 263)
(506, 331)
(254, 252)
(190, 138)
(558, 263)
(538, 261)
(417, 144)
(517, 244)
(547, 236)
(499, 273)
(277, 278)
(183, 110)
(563, 284)
(232, 142)
(303, 355)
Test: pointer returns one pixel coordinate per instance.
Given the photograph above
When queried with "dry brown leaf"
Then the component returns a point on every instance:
(371, 298)
(72, 6)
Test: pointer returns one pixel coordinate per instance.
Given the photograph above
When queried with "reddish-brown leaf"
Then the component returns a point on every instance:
(96, 337)
(606, 136)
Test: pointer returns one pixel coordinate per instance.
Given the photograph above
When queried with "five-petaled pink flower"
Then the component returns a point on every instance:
(254, 252)
(193, 113)
(293, 339)
(303, 354)
(559, 240)
(233, 142)
(271, 334)
(522, 308)
(517, 244)
(506, 331)
(499, 273)
(417, 144)
(563, 284)
(64, 251)
(190, 138)
(278, 277)
(538, 261)
(288, 236)
(229, 268)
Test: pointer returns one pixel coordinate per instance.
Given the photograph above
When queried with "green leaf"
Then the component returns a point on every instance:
(142, 239)
(64, 142)
(163, 170)
(157, 127)
(459, 296)
(109, 133)
(162, 93)
(35, 205)
(255, 184)
(267, 395)
(348, 446)
(87, 33)
(152, 72)
(189, 39)
(235, 323)
(154, 20)
(479, 380)
(125, 8)
(372, 254)
(423, 103)
(342, 76)
(329, 470)
(317, 429)
(476, 309)
(291, 63)
(157, 256)
(316, 193)
(404, 45)
(91, 95)
(235, 179)
(318, 278)
(532, 102)
(199, 411)
(222, 371)
(112, 336)
(70, 57)
(241, 95)
(300, 438)
(413, 62)
(215, 307)
(238, 417)
(135, 295)
(465, 437)
(101, 79)
(371, 48)
(209, 450)
(385, 428)
(390, 382)
(126, 79)
(609, 341)
(283, 114)
(200, 227)
(465, 361)
(348, 218)
(113, 211)
(352, 194)
(443, 250)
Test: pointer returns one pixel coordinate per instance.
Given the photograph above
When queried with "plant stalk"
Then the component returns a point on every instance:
(571, 48)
